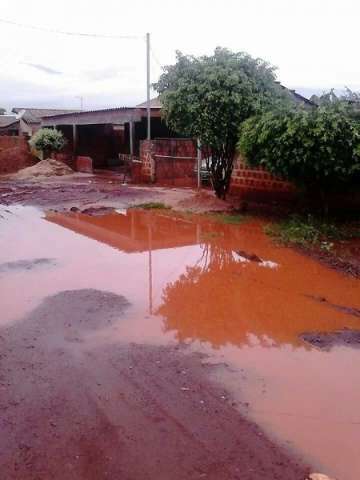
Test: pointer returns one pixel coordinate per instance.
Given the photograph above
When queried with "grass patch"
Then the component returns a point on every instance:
(228, 218)
(311, 231)
(152, 206)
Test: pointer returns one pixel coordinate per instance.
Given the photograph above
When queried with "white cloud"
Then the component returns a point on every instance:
(313, 43)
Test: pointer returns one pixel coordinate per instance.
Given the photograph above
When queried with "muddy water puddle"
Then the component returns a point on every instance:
(224, 290)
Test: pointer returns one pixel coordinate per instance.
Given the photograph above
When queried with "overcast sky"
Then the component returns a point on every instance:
(314, 44)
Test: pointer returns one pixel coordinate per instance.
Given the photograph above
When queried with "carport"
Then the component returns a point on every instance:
(103, 135)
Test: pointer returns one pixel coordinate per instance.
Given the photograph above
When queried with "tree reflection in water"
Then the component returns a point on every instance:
(227, 298)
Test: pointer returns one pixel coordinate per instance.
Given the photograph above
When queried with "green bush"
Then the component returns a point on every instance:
(318, 150)
(47, 140)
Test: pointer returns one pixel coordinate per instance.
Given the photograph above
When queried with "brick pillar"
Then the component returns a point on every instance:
(147, 161)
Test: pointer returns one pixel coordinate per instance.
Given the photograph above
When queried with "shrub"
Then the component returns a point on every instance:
(47, 140)
(318, 150)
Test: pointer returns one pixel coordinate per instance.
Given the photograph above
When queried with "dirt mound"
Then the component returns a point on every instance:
(44, 168)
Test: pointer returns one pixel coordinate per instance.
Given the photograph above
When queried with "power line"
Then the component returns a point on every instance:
(154, 56)
(72, 34)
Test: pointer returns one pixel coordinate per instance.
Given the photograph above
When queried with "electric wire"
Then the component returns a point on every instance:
(69, 33)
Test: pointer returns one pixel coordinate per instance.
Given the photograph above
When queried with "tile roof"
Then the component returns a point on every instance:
(154, 103)
(34, 115)
(7, 120)
(297, 97)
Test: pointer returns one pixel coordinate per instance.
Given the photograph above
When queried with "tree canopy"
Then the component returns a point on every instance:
(208, 97)
(316, 149)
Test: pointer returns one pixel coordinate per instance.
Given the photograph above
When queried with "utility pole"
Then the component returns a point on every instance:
(148, 86)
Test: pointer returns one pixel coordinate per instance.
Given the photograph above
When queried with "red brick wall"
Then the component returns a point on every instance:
(175, 171)
(12, 141)
(14, 154)
(257, 183)
(175, 147)
(172, 162)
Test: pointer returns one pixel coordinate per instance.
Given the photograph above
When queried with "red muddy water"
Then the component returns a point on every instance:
(226, 291)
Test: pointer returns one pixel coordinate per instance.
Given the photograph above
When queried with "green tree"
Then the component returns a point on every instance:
(208, 97)
(47, 141)
(347, 100)
(318, 150)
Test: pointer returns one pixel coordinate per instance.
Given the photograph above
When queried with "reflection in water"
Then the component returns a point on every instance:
(231, 293)
(239, 290)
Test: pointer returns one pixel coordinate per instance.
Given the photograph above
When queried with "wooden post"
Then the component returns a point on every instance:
(199, 163)
(131, 135)
(74, 140)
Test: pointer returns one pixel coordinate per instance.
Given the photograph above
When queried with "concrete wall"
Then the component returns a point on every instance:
(175, 147)
(167, 162)
(14, 154)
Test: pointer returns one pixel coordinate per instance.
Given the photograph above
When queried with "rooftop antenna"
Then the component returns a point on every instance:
(81, 102)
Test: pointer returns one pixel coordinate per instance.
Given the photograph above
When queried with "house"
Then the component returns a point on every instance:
(30, 118)
(9, 125)
(297, 98)
(109, 134)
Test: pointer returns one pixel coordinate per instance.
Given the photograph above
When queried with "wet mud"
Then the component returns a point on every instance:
(340, 308)
(72, 409)
(326, 340)
(160, 348)
(67, 194)
(344, 258)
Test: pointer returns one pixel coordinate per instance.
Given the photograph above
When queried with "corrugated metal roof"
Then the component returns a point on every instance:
(34, 115)
(85, 112)
(7, 120)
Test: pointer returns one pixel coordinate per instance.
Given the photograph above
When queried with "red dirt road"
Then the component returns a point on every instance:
(74, 409)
